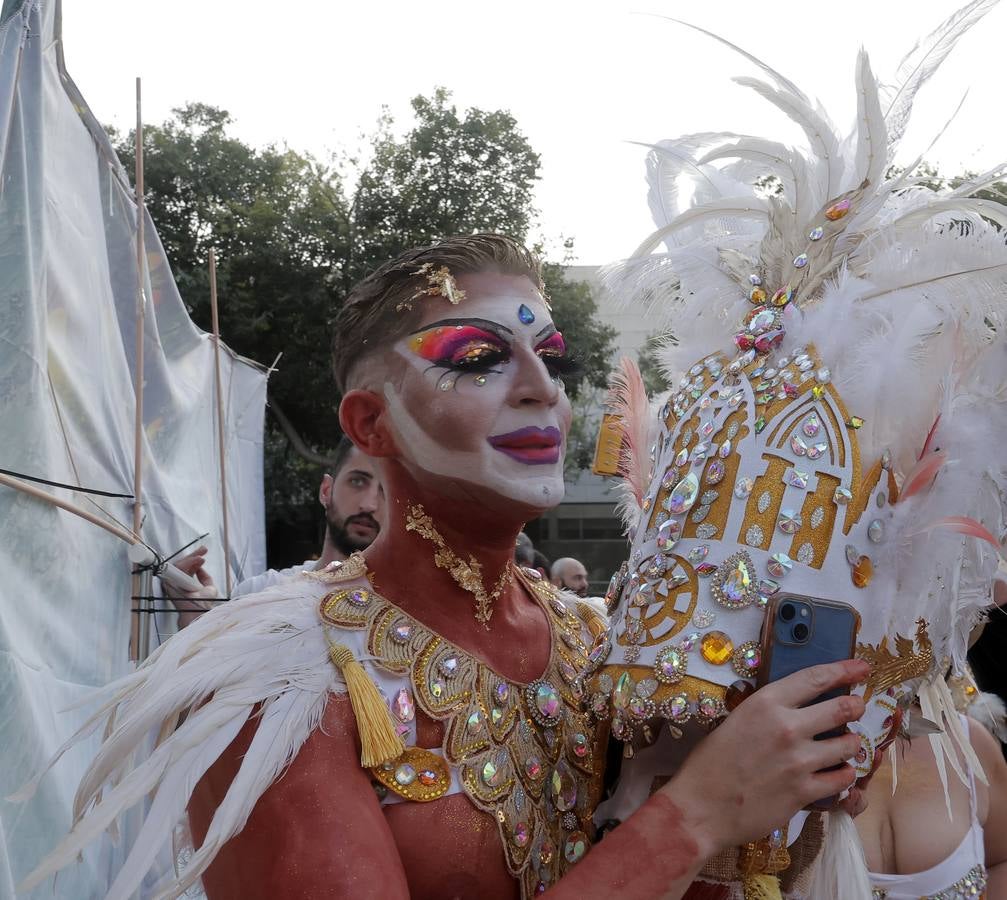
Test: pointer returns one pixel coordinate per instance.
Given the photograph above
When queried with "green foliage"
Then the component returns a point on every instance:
(277, 220)
(574, 310)
(650, 368)
(293, 234)
(450, 174)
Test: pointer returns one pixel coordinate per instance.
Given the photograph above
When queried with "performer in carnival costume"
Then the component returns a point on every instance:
(410, 722)
(833, 431)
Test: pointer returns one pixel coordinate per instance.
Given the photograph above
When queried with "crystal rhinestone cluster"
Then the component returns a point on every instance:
(734, 506)
(528, 755)
(971, 887)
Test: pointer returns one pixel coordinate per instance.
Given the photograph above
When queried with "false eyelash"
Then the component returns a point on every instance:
(566, 366)
(482, 364)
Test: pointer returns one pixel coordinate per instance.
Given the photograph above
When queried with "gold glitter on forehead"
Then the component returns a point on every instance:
(440, 283)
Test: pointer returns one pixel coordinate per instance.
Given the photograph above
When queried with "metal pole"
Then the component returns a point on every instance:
(220, 416)
(140, 625)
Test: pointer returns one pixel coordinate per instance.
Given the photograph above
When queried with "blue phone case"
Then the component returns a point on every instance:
(832, 637)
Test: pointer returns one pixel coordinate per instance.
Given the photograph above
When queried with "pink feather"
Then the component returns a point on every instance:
(930, 437)
(962, 525)
(628, 400)
(923, 473)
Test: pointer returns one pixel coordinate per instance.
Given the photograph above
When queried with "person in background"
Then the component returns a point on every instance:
(353, 500)
(569, 574)
(920, 845)
(929, 833)
(541, 564)
(524, 551)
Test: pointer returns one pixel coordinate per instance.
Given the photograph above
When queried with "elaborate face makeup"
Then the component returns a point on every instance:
(480, 405)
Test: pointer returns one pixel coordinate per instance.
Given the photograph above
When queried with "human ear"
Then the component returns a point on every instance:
(325, 490)
(363, 417)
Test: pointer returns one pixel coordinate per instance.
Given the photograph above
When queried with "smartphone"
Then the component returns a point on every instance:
(799, 632)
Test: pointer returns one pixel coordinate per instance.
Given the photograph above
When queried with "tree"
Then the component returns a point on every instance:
(293, 235)
(450, 174)
(575, 312)
(650, 367)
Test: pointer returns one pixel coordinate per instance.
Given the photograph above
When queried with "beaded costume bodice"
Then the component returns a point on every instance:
(525, 754)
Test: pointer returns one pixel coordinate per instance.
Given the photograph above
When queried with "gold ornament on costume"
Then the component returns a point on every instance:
(527, 755)
(440, 283)
(336, 571)
(889, 669)
(417, 774)
(467, 575)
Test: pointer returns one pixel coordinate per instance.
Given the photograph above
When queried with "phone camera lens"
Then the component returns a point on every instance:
(801, 632)
(788, 611)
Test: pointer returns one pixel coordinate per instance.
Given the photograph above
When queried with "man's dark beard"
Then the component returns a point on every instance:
(339, 536)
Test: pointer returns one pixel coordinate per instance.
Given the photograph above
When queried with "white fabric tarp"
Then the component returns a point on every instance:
(67, 331)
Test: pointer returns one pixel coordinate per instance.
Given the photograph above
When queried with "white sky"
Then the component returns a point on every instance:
(582, 78)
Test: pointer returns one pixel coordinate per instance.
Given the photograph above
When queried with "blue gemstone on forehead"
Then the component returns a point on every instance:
(525, 315)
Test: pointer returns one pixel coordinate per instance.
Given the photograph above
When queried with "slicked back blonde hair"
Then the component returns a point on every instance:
(384, 305)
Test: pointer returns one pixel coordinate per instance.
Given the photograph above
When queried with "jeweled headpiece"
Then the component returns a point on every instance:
(839, 435)
(438, 282)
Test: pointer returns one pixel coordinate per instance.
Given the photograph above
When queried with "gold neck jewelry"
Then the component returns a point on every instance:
(467, 575)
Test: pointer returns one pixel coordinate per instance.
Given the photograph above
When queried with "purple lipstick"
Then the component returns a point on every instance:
(531, 446)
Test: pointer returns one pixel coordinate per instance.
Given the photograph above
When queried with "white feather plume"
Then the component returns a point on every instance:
(263, 656)
(920, 63)
(903, 295)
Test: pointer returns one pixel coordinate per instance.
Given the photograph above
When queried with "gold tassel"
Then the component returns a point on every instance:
(762, 887)
(378, 741)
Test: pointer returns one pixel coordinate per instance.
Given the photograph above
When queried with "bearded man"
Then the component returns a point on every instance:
(423, 700)
(353, 501)
(354, 504)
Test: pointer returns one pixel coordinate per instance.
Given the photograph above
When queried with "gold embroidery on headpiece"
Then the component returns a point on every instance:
(889, 669)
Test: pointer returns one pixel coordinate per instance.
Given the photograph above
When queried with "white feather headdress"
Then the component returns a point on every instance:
(840, 341)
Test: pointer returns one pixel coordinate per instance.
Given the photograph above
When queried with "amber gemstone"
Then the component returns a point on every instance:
(427, 777)
(738, 691)
(862, 572)
(837, 210)
(716, 647)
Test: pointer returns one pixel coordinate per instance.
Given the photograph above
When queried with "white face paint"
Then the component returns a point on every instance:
(480, 403)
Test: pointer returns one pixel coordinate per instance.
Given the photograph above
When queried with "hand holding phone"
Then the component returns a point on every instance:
(799, 632)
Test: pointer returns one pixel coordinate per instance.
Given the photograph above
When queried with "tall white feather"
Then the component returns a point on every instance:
(923, 60)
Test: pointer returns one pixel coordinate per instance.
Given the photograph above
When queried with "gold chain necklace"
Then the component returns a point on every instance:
(467, 575)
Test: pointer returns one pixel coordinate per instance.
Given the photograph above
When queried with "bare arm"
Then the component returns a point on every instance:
(318, 832)
(751, 775)
(994, 816)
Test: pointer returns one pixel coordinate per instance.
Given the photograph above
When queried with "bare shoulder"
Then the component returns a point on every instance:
(992, 796)
(317, 830)
(988, 749)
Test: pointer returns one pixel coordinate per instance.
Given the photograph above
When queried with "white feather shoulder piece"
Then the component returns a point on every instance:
(264, 655)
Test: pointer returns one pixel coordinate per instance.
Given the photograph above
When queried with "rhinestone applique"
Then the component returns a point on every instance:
(972, 886)
(733, 584)
(525, 754)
